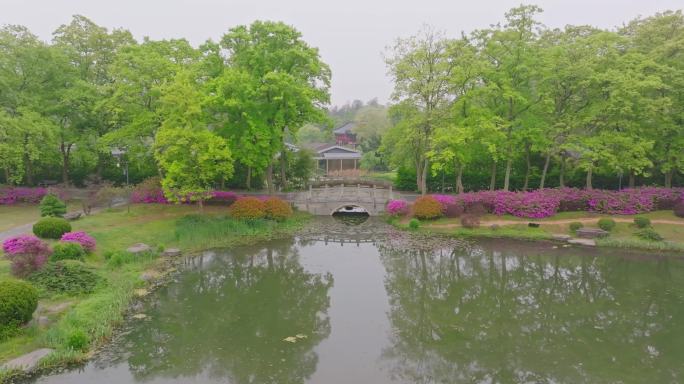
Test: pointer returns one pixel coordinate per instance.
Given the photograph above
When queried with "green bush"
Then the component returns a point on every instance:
(649, 234)
(18, 301)
(71, 277)
(51, 228)
(414, 224)
(51, 205)
(642, 222)
(67, 251)
(606, 224)
(575, 225)
(78, 340)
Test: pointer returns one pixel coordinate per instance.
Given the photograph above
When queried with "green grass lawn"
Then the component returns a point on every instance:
(623, 235)
(20, 214)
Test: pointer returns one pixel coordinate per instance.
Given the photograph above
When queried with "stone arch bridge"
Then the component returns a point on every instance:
(327, 197)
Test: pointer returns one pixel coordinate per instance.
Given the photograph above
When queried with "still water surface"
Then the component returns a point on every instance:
(398, 309)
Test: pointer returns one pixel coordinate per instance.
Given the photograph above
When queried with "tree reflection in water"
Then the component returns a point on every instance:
(227, 317)
(486, 316)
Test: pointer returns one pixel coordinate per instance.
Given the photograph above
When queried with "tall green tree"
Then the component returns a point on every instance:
(421, 69)
(288, 80)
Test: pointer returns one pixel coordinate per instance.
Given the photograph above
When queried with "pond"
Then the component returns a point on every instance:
(365, 304)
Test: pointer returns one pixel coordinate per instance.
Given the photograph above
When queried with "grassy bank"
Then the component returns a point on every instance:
(665, 223)
(77, 324)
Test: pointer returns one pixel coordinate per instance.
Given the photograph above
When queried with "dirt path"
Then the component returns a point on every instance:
(555, 222)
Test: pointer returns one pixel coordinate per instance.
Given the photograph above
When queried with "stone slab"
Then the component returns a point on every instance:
(29, 361)
(587, 242)
(139, 248)
(561, 237)
(591, 233)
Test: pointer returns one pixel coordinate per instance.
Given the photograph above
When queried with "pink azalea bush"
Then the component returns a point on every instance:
(397, 207)
(548, 202)
(445, 200)
(10, 196)
(26, 253)
(87, 242)
(156, 196)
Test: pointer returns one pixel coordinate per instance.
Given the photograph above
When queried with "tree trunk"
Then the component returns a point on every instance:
(200, 205)
(249, 178)
(459, 178)
(589, 174)
(668, 179)
(269, 179)
(66, 149)
(561, 176)
(29, 171)
(7, 176)
(507, 175)
(632, 179)
(492, 180)
(546, 169)
(529, 166)
(423, 186)
(283, 167)
(419, 175)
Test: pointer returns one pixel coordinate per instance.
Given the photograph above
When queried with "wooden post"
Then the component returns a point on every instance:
(391, 196)
(310, 191)
(326, 167)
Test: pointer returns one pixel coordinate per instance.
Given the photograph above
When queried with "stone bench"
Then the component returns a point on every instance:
(591, 233)
(72, 216)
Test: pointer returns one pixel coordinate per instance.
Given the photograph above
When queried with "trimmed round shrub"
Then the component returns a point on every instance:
(414, 224)
(575, 225)
(85, 240)
(679, 209)
(470, 221)
(70, 277)
(247, 208)
(454, 210)
(51, 228)
(67, 251)
(606, 224)
(427, 207)
(649, 234)
(18, 301)
(642, 222)
(277, 209)
(51, 205)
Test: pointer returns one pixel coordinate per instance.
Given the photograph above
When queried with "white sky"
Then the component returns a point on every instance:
(351, 34)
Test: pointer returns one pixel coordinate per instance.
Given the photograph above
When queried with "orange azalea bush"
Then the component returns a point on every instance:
(247, 208)
(277, 209)
(427, 207)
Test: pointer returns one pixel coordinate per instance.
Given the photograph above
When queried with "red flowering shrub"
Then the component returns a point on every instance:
(679, 209)
(26, 254)
(248, 208)
(454, 210)
(277, 209)
(427, 207)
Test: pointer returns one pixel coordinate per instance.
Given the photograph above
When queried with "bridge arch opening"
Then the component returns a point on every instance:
(351, 214)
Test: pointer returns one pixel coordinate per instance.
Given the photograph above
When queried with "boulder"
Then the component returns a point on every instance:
(139, 248)
(27, 362)
(73, 216)
(591, 233)
(171, 252)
